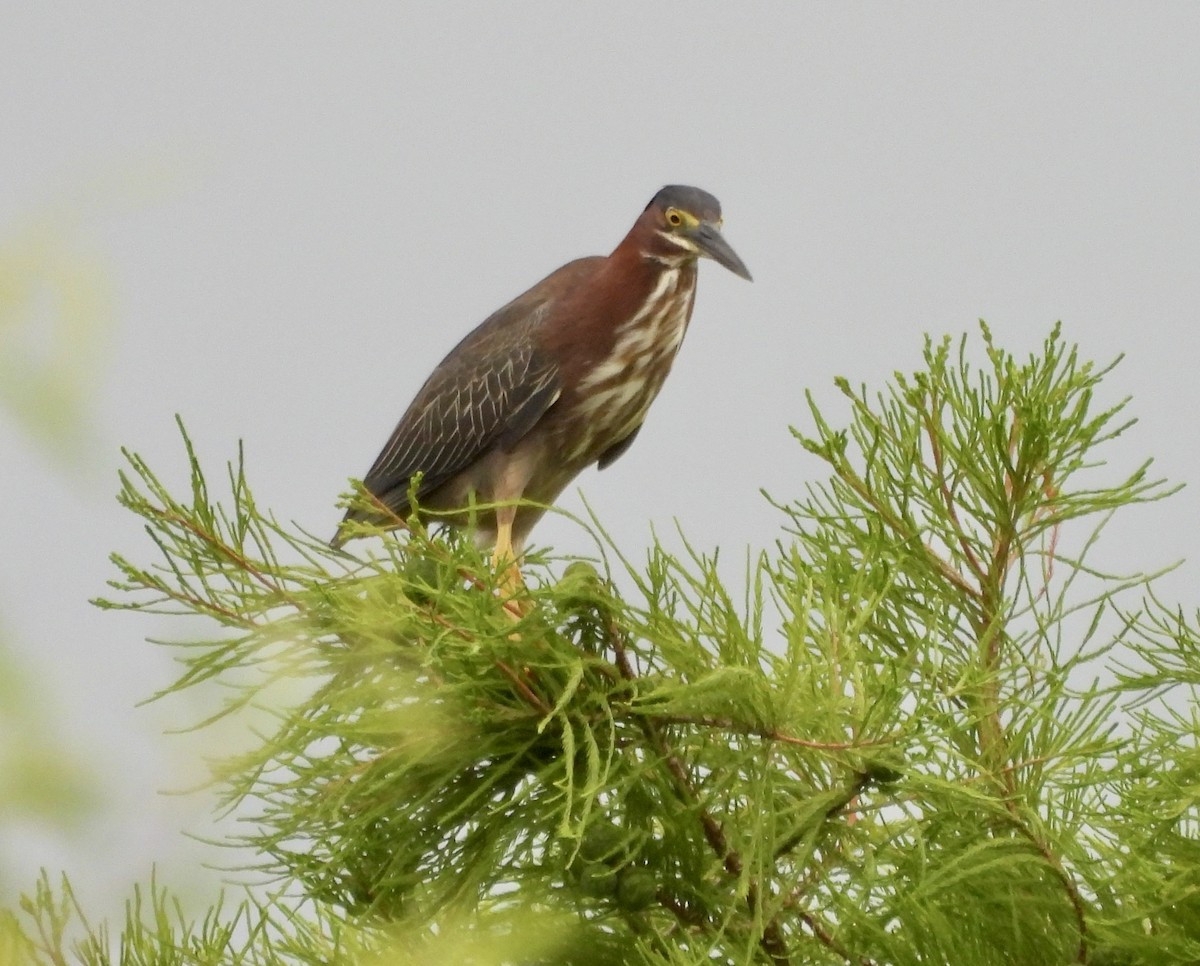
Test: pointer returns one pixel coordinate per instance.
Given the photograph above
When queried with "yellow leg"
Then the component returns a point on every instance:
(502, 554)
(504, 558)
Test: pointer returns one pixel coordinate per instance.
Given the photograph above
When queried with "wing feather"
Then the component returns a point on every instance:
(491, 389)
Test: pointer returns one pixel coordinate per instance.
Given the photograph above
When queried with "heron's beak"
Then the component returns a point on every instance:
(712, 244)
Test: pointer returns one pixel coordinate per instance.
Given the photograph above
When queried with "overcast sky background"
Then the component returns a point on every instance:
(299, 208)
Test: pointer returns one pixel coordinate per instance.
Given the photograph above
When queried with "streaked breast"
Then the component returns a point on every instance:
(615, 396)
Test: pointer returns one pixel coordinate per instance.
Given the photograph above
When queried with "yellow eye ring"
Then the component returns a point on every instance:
(674, 217)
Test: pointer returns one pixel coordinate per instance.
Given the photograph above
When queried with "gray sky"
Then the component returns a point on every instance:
(300, 207)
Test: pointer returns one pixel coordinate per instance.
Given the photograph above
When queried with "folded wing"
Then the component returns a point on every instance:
(489, 391)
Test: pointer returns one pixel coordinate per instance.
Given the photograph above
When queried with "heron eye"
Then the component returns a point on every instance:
(674, 217)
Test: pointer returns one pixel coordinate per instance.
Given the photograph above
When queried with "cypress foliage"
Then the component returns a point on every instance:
(926, 729)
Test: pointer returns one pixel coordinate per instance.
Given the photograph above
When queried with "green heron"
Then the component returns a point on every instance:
(558, 379)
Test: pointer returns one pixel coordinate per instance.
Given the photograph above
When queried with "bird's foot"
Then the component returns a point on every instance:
(510, 584)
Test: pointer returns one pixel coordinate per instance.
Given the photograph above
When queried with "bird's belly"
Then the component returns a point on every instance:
(619, 408)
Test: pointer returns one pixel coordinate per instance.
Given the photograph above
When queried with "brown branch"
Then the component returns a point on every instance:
(992, 736)
(214, 610)
(768, 734)
(947, 496)
(687, 916)
(1076, 900)
(772, 940)
(820, 933)
(239, 559)
(825, 938)
(847, 799)
(525, 690)
(1050, 491)
(527, 693)
(851, 479)
(1002, 544)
